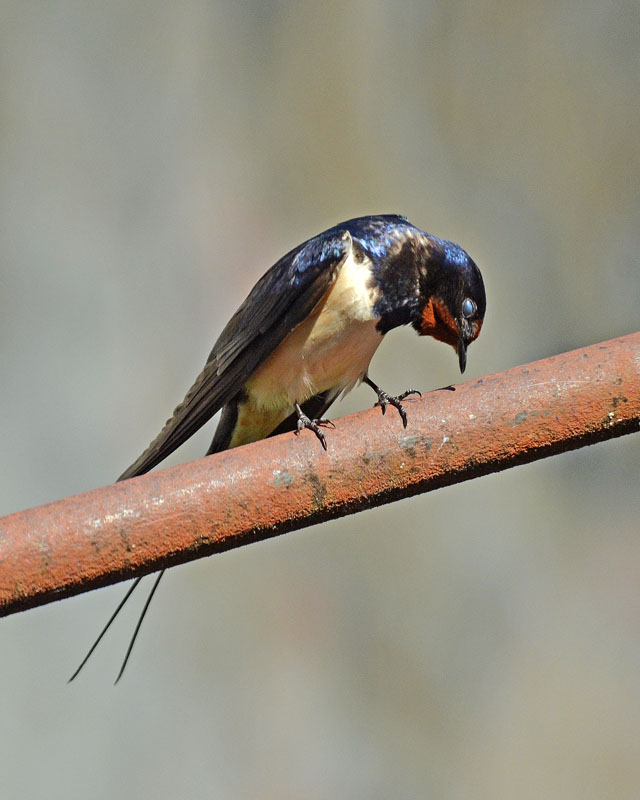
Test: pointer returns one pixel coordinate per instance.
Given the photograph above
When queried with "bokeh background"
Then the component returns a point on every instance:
(479, 642)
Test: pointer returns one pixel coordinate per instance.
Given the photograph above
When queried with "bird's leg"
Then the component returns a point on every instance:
(385, 399)
(312, 424)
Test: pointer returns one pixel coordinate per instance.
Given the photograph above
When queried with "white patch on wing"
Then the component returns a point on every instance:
(332, 348)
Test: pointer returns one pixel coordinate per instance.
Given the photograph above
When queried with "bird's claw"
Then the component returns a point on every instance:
(385, 400)
(313, 425)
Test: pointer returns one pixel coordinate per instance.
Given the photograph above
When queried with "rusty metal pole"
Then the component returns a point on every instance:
(280, 484)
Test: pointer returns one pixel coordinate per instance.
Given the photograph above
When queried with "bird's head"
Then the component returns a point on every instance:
(453, 300)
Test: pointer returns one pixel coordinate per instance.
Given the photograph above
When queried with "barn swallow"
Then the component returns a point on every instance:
(308, 330)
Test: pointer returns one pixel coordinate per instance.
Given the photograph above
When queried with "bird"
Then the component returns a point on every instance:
(307, 332)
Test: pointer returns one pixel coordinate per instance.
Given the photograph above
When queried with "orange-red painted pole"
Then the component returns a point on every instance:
(280, 484)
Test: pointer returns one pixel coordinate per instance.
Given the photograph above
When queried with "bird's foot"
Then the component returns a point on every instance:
(385, 399)
(312, 425)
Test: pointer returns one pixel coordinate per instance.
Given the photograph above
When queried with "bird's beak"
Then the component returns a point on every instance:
(462, 353)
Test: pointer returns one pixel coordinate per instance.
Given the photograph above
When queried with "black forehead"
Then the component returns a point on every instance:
(464, 277)
(474, 286)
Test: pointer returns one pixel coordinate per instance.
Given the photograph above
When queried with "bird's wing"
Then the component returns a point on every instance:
(281, 299)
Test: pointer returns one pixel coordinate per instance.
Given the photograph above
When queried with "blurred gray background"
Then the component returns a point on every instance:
(156, 158)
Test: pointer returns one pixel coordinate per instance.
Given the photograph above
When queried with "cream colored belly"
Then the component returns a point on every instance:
(306, 363)
(314, 358)
(331, 349)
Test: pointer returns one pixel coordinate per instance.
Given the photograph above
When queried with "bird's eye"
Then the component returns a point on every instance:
(468, 308)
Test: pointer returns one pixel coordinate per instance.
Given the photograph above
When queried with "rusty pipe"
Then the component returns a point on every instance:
(281, 484)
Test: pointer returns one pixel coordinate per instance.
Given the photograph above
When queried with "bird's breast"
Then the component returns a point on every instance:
(332, 348)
